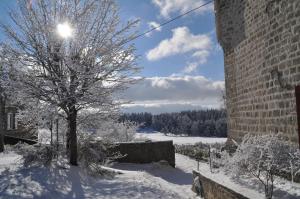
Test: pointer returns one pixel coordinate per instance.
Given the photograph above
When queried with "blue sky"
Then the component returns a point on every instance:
(182, 62)
(197, 23)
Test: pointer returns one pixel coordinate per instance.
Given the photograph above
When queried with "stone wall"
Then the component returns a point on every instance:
(147, 152)
(261, 43)
(214, 190)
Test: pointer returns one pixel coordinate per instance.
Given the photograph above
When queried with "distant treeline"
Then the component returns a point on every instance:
(208, 123)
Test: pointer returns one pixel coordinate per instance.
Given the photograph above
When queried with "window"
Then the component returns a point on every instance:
(11, 121)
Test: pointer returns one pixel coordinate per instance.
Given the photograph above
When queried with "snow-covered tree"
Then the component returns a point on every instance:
(117, 132)
(71, 54)
(6, 91)
(2, 119)
(197, 123)
(40, 118)
(264, 157)
(194, 128)
(2, 104)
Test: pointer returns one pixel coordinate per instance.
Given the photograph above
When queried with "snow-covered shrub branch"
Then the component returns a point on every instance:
(93, 154)
(36, 154)
(117, 132)
(264, 157)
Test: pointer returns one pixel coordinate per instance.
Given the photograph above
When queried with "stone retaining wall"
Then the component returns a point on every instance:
(214, 190)
(147, 152)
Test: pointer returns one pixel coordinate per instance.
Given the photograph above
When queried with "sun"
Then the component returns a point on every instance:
(64, 30)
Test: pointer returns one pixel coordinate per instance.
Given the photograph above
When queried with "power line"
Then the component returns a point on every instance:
(171, 20)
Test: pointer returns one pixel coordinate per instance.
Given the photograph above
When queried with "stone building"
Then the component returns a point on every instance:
(15, 128)
(261, 43)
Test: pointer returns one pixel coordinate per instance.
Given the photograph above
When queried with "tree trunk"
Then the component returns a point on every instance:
(51, 133)
(68, 139)
(2, 122)
(57, 141)
(72, 124)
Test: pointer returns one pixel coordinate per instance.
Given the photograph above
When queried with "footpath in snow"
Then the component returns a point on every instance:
(149, 181)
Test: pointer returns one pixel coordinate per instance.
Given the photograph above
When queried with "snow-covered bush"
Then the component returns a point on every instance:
(264, 157)
(117, 132)
(198, 151)
(93, 154)
(35, 155)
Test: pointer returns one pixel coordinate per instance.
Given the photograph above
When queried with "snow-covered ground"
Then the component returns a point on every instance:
(157, 136)
(149, 181)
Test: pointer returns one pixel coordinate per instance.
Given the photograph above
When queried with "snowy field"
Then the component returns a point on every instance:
(157, 136)
(44, 137)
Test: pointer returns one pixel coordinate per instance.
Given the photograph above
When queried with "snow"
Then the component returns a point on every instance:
(44, 136)
(157, 136)
(9, 160)
(248, 187)
(175, 180)
(219, 177)
(149, 181)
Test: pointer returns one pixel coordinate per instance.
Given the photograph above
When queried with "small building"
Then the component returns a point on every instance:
(261, 44)
(14, 128)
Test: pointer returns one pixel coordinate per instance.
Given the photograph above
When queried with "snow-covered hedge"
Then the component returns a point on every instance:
(199, 151)
(92, 155)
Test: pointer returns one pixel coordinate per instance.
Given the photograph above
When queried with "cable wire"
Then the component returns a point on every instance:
(171, 20)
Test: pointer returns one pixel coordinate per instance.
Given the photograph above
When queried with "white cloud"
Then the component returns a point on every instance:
(201, 56)
(151, 25)
(174, 93)
(160, 83)
(168, 7)
(182, 41)
(191, 67)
